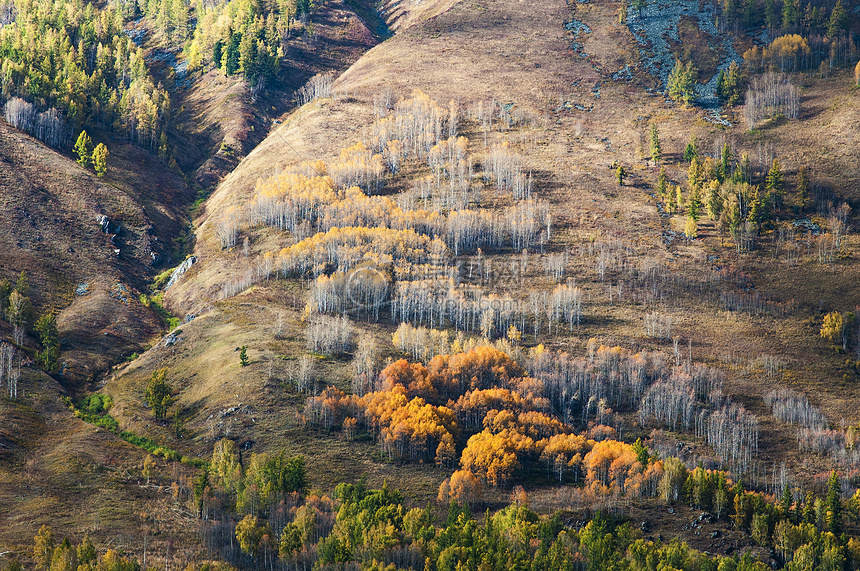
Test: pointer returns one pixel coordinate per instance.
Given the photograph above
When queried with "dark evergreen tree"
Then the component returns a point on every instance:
(838, 23)
(790, 15)
(5, 291)
(691, 151)
(775, 183)
(771, 16)
(786, 502)
(725, 169)
(802, 188)
(682, 82)
(694, 206)
(232, 55)
(731, 84)
(662, 184)
(833, 504)
(217, 53)
(714, 202)
(46, 327)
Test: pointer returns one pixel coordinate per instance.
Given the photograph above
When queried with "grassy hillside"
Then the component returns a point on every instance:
(62, 472)
(52, 210)
(91, 248)
(524, 61)
(221, 119)
(578, 248)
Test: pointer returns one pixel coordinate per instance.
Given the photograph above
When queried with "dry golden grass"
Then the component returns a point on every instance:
(220, 398)
(49, 228)
(401, 15)
(57, 470)
(474, 52)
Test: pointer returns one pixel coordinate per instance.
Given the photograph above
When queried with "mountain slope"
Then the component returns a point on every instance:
(576, 113)
(63, 226)
(565, 87)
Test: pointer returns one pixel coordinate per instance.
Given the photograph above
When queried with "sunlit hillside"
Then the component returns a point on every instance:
(584, 270)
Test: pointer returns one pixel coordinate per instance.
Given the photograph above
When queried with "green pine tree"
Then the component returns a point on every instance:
(802, 188)
(775, 180)
(775, 183)
(694, 209)
(84, 149)
(201, 485)
(734, 85)
(46, 327)
(725, 162)
(715, 202)
(87, 552)
(248, 56)
(745, 170)
(785, 502)
(159, 395)
(771, 18)
(177, 421)
(22, 285)
(232, 55)
(5, 291)
(734, 220)
(303, 7)
(808, 513)
(662, 184)
(681, 84)
(789, 14)
(833, 504)
(838, 21)
(100, 159)
(691, 151)
(721, 85)
(641, 452)
(749, 11)
(218, 53)
(756, 214)
(620, 174)
(243, 356)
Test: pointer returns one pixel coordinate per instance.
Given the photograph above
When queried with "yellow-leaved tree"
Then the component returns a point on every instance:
(250, 533)
(100, 158)
(159, 393)
(835, 328)
(462, 487)
(691, 228)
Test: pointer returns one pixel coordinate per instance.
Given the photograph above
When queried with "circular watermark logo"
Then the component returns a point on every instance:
(367, 287)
